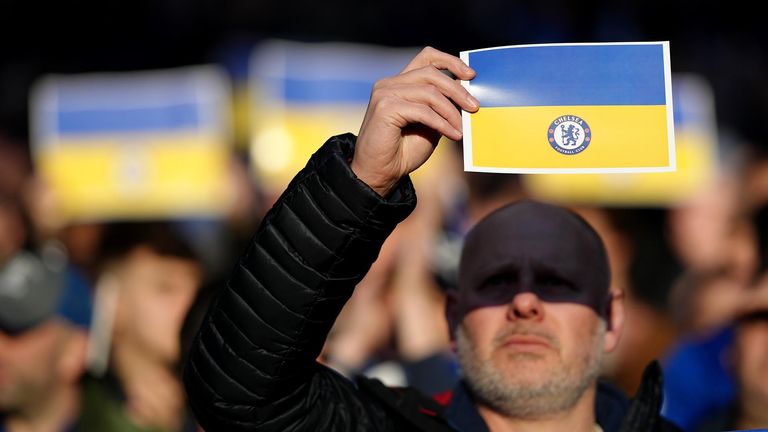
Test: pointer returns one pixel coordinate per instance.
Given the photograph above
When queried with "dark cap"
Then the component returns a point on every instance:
(534, 246)
(35, 289)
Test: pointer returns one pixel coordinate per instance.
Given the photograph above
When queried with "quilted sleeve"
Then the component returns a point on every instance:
(252, 365)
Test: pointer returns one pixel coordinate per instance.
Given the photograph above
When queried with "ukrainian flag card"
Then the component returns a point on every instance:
(570, 108)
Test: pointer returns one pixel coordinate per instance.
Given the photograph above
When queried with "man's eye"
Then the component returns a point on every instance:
(552, 283)
(500, 280)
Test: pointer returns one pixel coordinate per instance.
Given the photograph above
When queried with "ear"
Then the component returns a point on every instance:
(615, 319)
(452, 313)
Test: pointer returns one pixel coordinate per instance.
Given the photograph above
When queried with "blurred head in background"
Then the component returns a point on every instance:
(749, 364)
(43, 338)
(157, 275)
(148, 279)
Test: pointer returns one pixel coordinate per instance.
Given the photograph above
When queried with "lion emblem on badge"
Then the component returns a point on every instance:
(569, 134)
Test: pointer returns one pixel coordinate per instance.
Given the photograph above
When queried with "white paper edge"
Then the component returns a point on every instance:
(466, 122)
(567, 44)
(623, 170)
(671, 167)
(670, 108)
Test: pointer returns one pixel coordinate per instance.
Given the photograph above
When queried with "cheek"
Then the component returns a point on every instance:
(753, 348)
(28, 359)
(168, 311)
(481, 326)
(575, 327)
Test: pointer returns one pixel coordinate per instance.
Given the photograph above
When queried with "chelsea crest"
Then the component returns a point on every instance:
(569, 134)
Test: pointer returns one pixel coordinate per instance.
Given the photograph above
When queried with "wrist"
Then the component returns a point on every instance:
(382, 185)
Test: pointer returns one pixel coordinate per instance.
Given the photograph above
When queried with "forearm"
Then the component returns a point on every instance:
(260, 340)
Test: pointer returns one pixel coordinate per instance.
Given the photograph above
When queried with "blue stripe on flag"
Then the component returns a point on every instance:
(569, 75)
(325, 91)
(164, 118)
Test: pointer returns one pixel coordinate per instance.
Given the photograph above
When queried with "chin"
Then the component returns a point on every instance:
(533, 364)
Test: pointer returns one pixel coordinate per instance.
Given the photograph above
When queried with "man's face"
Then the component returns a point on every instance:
(530, 317)
(156, 293)
(529, 357)
(27, 365)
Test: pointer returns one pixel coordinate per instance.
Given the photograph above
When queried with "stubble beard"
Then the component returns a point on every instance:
(514, 395)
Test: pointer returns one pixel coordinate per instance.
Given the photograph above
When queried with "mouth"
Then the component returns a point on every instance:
(529, 343)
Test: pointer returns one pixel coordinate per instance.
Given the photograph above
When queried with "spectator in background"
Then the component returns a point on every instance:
(749, 352)
(749, 365)
(716, 239)
(43, 338)
(642, 265)
(148, 281)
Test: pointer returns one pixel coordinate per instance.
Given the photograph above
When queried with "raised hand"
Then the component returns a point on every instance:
(406, 116)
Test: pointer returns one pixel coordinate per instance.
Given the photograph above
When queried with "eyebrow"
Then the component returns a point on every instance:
(540, 271)
(546, 270)
(508, 269)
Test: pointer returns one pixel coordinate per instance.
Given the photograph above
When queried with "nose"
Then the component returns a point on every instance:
(525, 305)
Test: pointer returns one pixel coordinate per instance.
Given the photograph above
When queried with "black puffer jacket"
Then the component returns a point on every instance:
(252, 366)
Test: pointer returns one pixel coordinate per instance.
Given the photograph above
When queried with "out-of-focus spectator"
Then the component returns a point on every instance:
(710, 232)
(643, 267)
(706, 304)
(43, 338)
(749, 365)
(148, 281)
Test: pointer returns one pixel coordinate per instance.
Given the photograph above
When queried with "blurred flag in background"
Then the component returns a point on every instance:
(134, 145)
(303, 93)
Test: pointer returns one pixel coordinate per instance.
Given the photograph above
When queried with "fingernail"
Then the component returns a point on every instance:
(473, 103)
(469, 70)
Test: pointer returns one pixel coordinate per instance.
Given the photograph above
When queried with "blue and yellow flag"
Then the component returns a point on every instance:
(570, 108)
(134, 145)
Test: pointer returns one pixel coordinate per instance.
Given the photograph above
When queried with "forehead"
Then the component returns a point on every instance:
(41, 335)
(536, 234)
(547, 241)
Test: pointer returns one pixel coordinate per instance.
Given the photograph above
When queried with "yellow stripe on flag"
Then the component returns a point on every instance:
(622, 137)
(103, 177)
(696, 167)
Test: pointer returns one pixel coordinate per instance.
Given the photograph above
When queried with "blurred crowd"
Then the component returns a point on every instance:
(95, 316)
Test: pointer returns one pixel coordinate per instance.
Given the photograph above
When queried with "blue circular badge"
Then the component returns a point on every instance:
(569, 134)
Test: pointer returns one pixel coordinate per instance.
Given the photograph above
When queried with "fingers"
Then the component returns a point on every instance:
(429, 75)
(430, 87)
(425, 95)
(407, 112)
(440, 60)
(422, 94)
(447, 86)
(431, 96)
